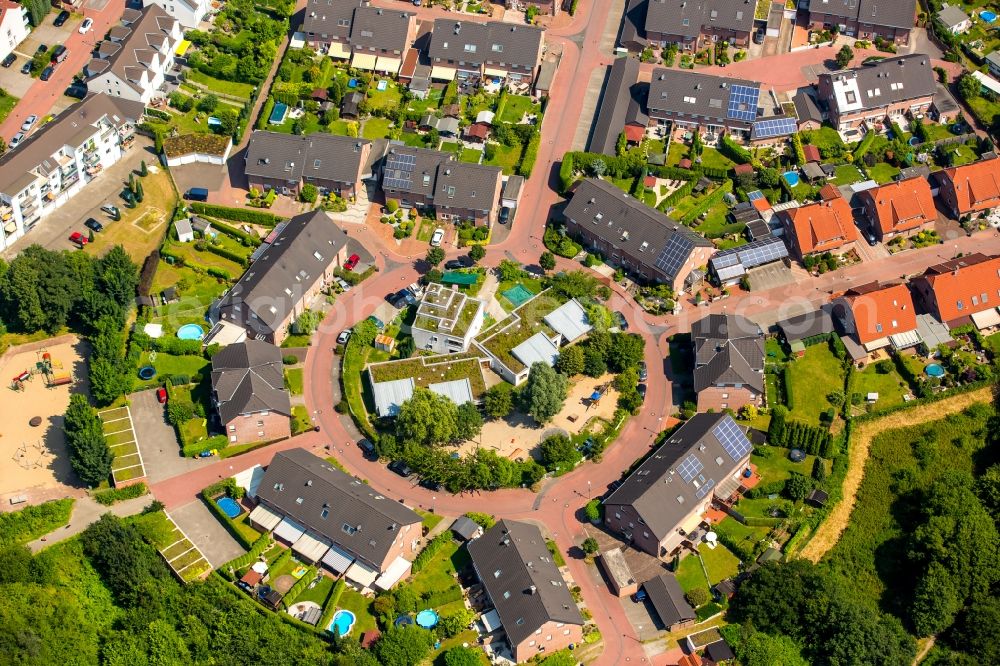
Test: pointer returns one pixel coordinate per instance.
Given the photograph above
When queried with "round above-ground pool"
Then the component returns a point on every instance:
(342, 622)
(914, 141)
(934, 370)
(190, 332)
(229, 506)
(988, 16)
(147, 372)
(403, 620)
(427, 618)
(792, 177)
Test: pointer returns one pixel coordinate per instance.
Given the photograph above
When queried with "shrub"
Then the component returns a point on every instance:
(31, 522)
(593, 510)
(236, 214)
(289, 359)
(484, 520)
(430, 550)
(698, 596)
(590, 546)
(112, 495)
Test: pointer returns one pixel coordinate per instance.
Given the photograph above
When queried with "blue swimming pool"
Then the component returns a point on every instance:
(988, 16)
(343, 621)
(278, 113)
(190, 332)
(792, 177)
(229, 506)
(427, 619)
(934, 370)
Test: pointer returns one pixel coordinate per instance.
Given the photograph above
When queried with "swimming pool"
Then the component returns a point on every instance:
(934, 370)
(190, 332)
(914, 141)
(229, 506)
(792, 177)
(342, 622)
(278, 113)
(988, 16)
(427, 618)
(518, 294)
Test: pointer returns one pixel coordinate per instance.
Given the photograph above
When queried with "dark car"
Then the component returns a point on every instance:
(401, 468)
(504, 215)
(620, 320)
(26, 67)
(758, 37)
(402, 298)
(61, 19)
(77, 90)
(93, 224)
(42, 48)
(59, 53)
(454, 264)
(641, 388)
(430, 484)
(367, 448)
(640, 595)
(9, 60)
(643, 371)
(127, 195)
(47, 73)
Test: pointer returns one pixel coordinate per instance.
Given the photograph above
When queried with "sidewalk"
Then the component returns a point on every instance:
(85, 512)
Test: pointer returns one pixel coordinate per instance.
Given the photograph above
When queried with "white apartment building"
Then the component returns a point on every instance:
(447, 320)
(14, 26)
(47, 170)
(136, 58)
(189, 13)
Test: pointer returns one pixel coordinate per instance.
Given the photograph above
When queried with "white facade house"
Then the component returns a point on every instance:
(189, 13)
(134, 61)
(14, 26)
(47, 170)
(447, 320)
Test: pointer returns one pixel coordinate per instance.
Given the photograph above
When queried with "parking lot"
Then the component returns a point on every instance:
(770, 276)
(11, 78)
(157, 440)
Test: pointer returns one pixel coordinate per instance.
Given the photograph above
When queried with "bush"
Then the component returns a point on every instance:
(29, 523)
(484, 520)
(236, 214)
(112, 495)
(590, 546)
(430, 550)
(308, 193)
(698, 596)
(593, 510)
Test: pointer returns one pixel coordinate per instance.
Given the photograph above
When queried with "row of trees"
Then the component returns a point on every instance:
(89, 454)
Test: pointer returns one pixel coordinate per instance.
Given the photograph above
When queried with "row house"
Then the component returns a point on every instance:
(134, 61)
(962, 290)
(373, 38)
(971, 189)
(284, 162)
(14, 26)
(892, 20)
(467, 49)
(729, 362)
(902, 208)
(702, 101)
(60, 158)
(189, 13)
(824, 226)
(249, 394)
(695, 24)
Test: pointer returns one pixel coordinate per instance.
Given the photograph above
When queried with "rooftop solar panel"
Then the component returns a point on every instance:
(764, 129)
(732, 439)
(674, 254)
(690, 468)
(743, 103)
(701, 492)
(756, 194)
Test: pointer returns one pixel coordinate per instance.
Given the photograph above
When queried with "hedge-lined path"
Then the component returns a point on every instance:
(86, 510)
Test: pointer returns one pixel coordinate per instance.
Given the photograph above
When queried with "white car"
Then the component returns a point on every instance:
(344, 337)
(86, 25)
(28, 123)
(437, 237)
(16, 140)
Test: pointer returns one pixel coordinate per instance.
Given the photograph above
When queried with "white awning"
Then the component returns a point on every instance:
(264, 517)
(337, 560)
(491, 620)
(338, 50)
(363, 61)
(881, 343)
(361, 574)
(493, 71)
(393, 573)
(440, 73)
(289, 530)
(904, 340)
(986, 318)
(310, 548)
(388, 65)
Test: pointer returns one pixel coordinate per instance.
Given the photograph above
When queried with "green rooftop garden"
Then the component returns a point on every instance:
(427, 370)
(523, 323)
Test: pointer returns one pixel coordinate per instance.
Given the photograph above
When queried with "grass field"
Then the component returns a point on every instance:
(812, 378)
(168, 364)
(824, 138)
(721, 563)
(847, 174)
(777, 466)
(516, 106)
(882, 172)
(375, 128)
(243, 90)
(439, 573)
(7, 104)
(890, 387)
(389, 98)
(470, 155)
(506, 158)
(690, 575)
(294, 380)
(138, 240)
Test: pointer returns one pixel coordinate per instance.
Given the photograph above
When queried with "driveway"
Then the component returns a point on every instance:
(206, 532)
(209, 176)
(770, 276)
(157, 440)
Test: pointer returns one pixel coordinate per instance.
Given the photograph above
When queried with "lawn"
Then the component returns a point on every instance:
(717, 224)
(812, 378)
(243, 90)
(825, 138)
(775, 351)
(431, 102)
(937, 131)
(168, 364)
(376, 128)
(678, 151)
(361, 607)
(319, 593)
(450, 147)
(138, 239)
(847, 174)
(713, 159)
(775, 465)
(390, 98)
(890, 387)
(721, 563)
(7, 104)
(438, 574)
(429, 520)
(515, 106)
(690, 575)
(962, 154)
(294, 380)
(993, 342)
(413, 139)
(506, 157)
(742, 535)
(470, 155)
(882, 173)
(300, 419)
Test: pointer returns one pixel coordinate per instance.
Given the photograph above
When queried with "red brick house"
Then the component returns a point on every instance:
(970, 189)
(956, 291)
(865, 19)
(248, 391)
(902, 208)
(824, 226)
(692, 25)
(279, 161)
(892, 88)
(874, 314)
(729, 362)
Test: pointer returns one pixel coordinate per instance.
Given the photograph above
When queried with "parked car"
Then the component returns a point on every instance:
(504, 215)
(93, 224)
(620, 320)
(197, 194)
(871, 239)
(59, 53)
(77, 90)
(639, 596)
(26, 67)
(344, 285)
(437, 237)
(78, 239)
(111, 210)
(401, 468)
(641, 388)
(454, 264)
(758, 37)
(29, 122)
(416, 289)
(9, 60)
(85, 26)
(430, 484)
(16, 140)
(344, 336)
(643, 371)
(379, 324)
(351, 262)
(47, 73)
(42, 48)
(401, 299)
(367, 448)
(62, 18)
(161, 395)
(127, 195)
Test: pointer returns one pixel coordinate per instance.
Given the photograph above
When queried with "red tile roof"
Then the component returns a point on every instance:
(822, 226)
(901, 206)
(762, 204)
(649, 181)
(743, 169)
(690, 660)
(634, 133)
(977, 185)
(252, 577)
(684, 163)
(881, 310)
(829, 191)
(811, 153)
(961, 280)
(478, 130)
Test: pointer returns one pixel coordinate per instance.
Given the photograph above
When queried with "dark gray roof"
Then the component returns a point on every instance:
(805, 106)
(842, 8)
(719, 651)
(332, 18)
(644, 232)
(662, 489)
(495, 41)
(810, 324)
(522, 581)
(615, 99)
(466, 185)
(386, 29)
(248, 377)
(693, 93)
(465, 527)
(667, 597)
(275, 282)
(137, 44)
(729, 349)
(895, 80)
(290, 157)
(408, 169)
(301, 486)
(892, 13)
(633, 31)
(513, 186)
(951, 16)
(686, 17)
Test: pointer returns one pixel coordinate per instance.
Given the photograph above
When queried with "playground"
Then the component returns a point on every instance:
(40, 378)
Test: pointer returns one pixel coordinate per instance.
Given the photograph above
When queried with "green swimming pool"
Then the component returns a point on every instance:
(518, 294)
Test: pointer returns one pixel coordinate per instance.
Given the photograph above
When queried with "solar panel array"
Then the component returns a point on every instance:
(732, 439)
(701, 492)
(743, 103)
(673, 255)
(690, 468)
(762, 251)
(399, 171)
(756, 194)
(765, 129)
(725, 259)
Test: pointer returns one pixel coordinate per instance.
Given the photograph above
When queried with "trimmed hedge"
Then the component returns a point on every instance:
(226, 253)
(330, 605)
(300, 586)
(236, 214)
(786, 381)
(734, 151)
(438, 599)
(864, 146)
(529, 156)
(258, 547)
(112, 495)
(177, 347)
(238, 234)
(709, 201)
(192, 449)
(265, 113)
(677, 195)
(566, 173)
(430, 550)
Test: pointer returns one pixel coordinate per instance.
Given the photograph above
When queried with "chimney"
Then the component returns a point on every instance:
(532, 590)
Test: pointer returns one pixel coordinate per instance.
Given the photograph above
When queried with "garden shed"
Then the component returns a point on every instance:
(466, 529)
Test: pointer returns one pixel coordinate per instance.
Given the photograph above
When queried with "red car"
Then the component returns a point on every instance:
(78, 239)
(351, 262)
(161, 395)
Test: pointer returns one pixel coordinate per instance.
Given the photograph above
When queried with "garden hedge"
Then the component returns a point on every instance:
(265, 113)
(238, 234)
(709, 201)
(226, 253)
(529, 156)
(430, 550)
(258, 547)
(112, 495)
(300, 586)
(29, 523)
(236, 214)
(330, 605)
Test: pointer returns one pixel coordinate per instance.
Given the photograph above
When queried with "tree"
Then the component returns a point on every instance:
(468, 421)
(598, 167)
(977, 629)
(558, 452)
(180, 411)
(435, 256)
(406, 347)
(118, 276)
(309, 193)
(590, 546)
(544, 392)
(403, 646)
(90, 456)
(477, 253)
(598, 316)
(968, 87)
(627, 380)
(819, 469)
(139, 193)
(427, 418)
(208, 103)
(574, 284)
(759, 649)
(797, 486)
(498, 401)
(363, 334)
(844, 56)
(626, 350)
(698, 596)
(594, 364)
(570, 361)
(749, 412)
(593, 510)
(461, 656)
(935, 601)
(547, 261)
(509, 270)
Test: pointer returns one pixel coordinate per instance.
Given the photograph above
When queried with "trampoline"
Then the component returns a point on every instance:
(988, 16)
(190, 332)
(934, 370)
(403, 620)
(518, 294)
(796, 455)
(147, 372)
(229, 506)
(342, 622)
(791, 177)
(427, 619)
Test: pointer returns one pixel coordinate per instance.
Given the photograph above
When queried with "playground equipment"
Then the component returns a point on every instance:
(32, 455)
(17, 383)
(52, 369)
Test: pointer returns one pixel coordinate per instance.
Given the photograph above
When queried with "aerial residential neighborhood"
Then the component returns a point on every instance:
(458, 333)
